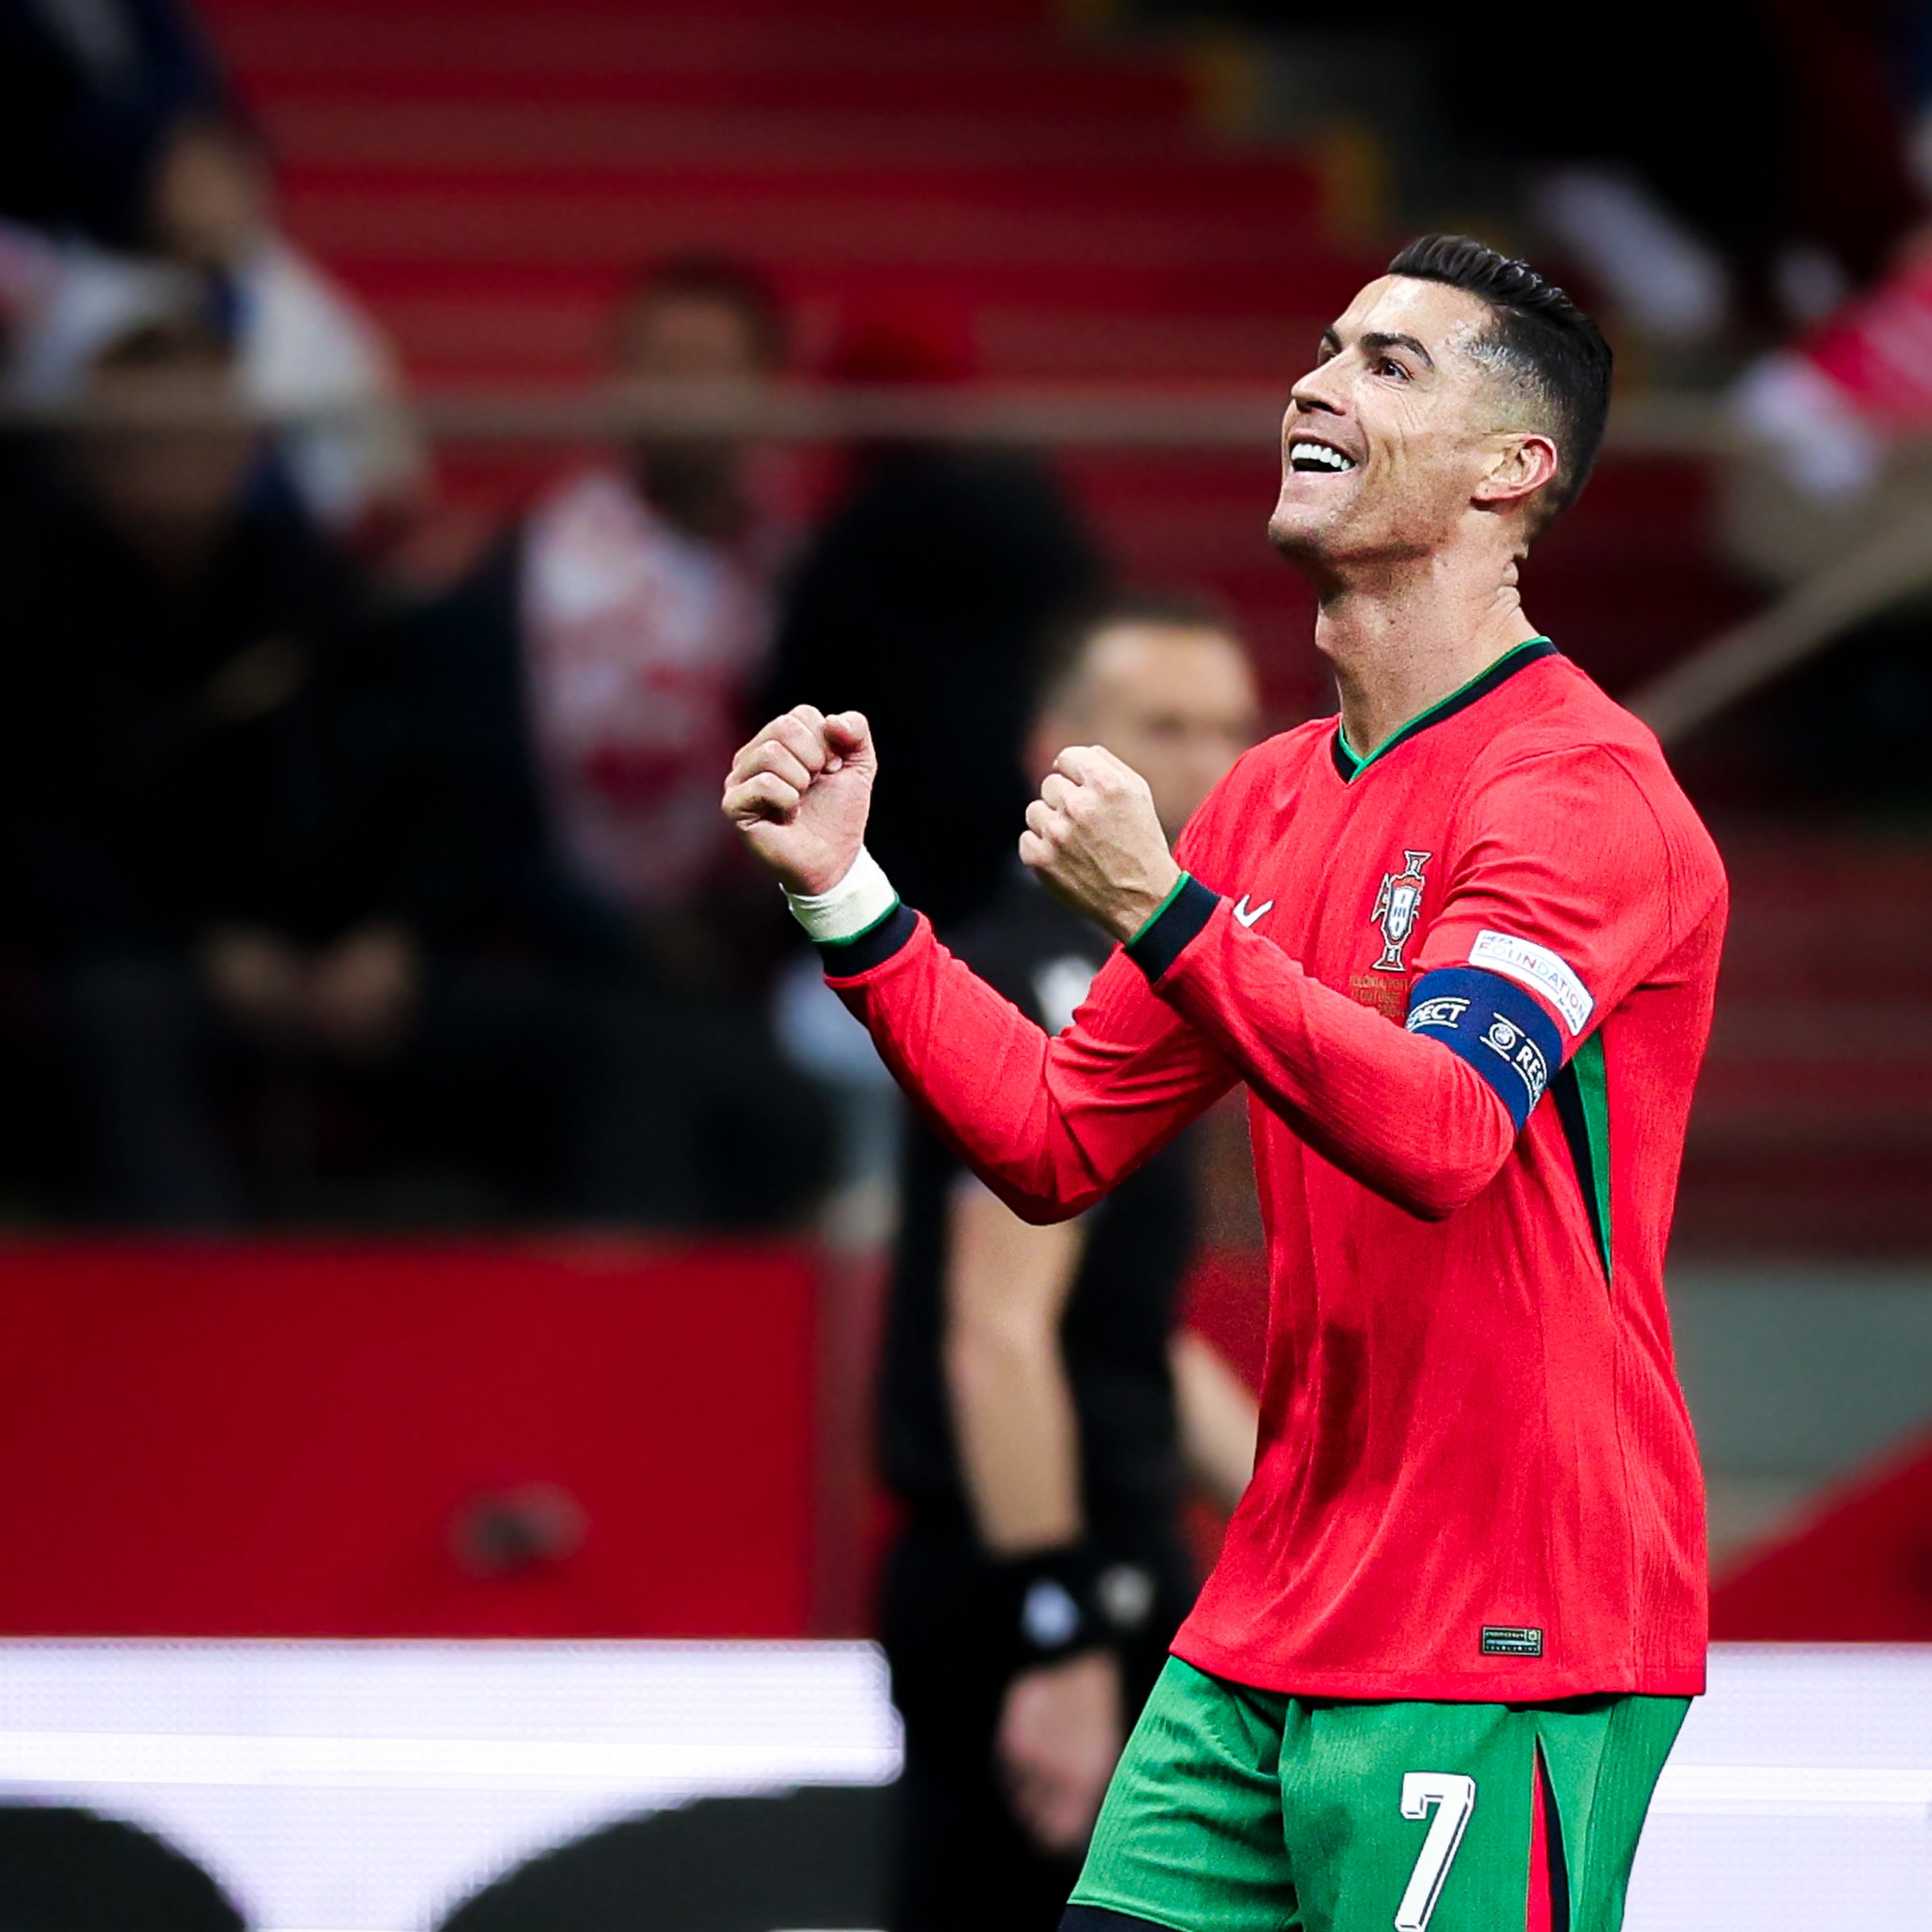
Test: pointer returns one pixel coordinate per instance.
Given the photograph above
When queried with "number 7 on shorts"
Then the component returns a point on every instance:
(1453, 1797)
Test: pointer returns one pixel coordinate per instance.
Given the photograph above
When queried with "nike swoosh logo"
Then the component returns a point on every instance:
(1247, 917)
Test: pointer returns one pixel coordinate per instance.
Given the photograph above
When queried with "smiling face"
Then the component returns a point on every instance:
(1406, 425)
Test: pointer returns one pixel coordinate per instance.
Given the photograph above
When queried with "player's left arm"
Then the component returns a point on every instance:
(1556, 854)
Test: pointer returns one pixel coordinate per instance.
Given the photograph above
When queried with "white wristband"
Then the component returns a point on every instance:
(859, 900)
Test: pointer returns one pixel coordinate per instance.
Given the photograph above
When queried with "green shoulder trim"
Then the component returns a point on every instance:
(1583, 1096)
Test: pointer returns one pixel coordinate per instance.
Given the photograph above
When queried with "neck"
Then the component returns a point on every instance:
(1402, 639)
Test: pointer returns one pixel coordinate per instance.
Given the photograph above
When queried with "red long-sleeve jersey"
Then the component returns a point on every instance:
(1467, 983)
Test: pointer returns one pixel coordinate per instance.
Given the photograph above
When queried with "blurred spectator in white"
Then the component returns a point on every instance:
(1736, 186)
(307, 353)
(89, 90)
(591, 679)
(646, 605)
(1836, 420)
(306, 348)
(61, 298)
(1833, 474)
(1846, 408)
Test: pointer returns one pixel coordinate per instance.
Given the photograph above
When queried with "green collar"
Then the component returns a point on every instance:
(1506, 667)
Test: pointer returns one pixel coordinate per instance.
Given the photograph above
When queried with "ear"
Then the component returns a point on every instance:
(1517, 466)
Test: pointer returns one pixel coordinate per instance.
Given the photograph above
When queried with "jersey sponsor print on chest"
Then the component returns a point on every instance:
(1540, 970)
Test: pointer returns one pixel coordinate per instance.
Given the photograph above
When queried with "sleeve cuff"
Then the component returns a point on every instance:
(846, 958)
(1179, 917)
(861, 900)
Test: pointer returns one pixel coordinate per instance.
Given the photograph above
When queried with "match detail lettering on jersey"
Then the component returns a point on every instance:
(1493, 1026)
(1541, 970)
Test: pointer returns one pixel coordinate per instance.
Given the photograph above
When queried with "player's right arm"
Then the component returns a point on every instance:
(1049, 1125)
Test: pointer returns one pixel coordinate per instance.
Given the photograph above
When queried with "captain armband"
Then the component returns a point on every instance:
(1495, 1026)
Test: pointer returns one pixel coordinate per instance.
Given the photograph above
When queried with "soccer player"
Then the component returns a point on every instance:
(1039, 1411)
(1459, 943)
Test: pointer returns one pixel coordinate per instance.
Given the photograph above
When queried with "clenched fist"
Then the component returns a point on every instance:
(799, 792)
(1095, 839)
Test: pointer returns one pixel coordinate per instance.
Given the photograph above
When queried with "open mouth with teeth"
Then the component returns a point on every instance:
(1317, 460)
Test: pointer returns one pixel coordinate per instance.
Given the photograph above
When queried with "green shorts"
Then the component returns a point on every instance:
(1240, 1810)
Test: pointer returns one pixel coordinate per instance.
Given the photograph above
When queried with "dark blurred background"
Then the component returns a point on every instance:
(438, 1199)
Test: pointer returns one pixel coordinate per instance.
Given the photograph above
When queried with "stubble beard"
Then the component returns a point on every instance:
(1308, 546)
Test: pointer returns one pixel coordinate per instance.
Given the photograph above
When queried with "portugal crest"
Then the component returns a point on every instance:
(1397, 904)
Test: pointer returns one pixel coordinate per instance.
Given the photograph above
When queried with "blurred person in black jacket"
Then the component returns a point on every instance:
(89, 92)
(924, 602)
(222, 868)
(169, 761)
(1041, 1408)
(585, 685)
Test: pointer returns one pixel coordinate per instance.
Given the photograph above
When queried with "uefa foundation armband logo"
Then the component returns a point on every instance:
(1398, 905)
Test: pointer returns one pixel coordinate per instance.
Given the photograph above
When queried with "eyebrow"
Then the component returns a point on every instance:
(1378, 340)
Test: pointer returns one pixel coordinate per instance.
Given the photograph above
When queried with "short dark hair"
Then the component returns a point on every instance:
(1547, 347)
(703, 276)
(1063, 655)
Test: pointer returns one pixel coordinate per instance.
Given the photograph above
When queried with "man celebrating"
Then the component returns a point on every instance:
(1460, 944)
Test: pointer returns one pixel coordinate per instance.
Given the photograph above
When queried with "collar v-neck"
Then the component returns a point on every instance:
(1349, 767)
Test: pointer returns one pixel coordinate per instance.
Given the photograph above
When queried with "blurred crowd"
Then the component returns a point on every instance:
(334, 892)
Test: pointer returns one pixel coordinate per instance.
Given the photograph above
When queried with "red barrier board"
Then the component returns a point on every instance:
(339, 1440)
(1857, 1570)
